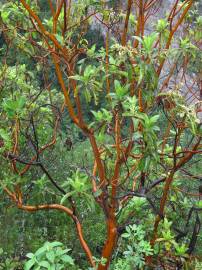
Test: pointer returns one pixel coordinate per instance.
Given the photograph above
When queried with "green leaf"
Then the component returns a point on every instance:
(91, 51)
(4, 135)
(154, 118)
(21, 102)
(138, 38)
(141, 165)
(40, 251)
(50, 255)
(67, 259)
(199, 204)
(117, 86)
(76, 77)
(120, 90)
(44, 264)
(161, 25)
(66, 196)
(56, 244)
(29, 264)
(148, 42)
(103, 261)
(60, 251)
(52, 267)
(87, 95)
(30, 255)
(125, 235)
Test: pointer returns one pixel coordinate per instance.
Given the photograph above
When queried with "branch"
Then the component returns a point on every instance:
(125, 31)
(58, 207)
(172, 32)
(42, 28)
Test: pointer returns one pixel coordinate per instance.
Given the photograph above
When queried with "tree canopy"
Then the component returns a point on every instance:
(100, 134)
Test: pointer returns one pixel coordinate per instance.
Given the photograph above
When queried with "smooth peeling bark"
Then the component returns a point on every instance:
(111, 241)
(162, 206)
(125, 31)
(57, 14)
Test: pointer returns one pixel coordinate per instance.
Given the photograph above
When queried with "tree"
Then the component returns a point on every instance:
(129, 99)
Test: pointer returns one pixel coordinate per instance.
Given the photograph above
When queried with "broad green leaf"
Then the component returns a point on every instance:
(29, 264)
(30, 255)
(67, 259)
(50, 255)
(40, 251)
(44, 264)
(56, 244)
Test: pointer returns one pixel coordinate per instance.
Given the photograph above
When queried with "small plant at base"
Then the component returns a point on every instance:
(50, 256)
(137, 249)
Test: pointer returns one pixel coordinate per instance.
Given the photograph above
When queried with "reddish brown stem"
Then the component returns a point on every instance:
(125, 31)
